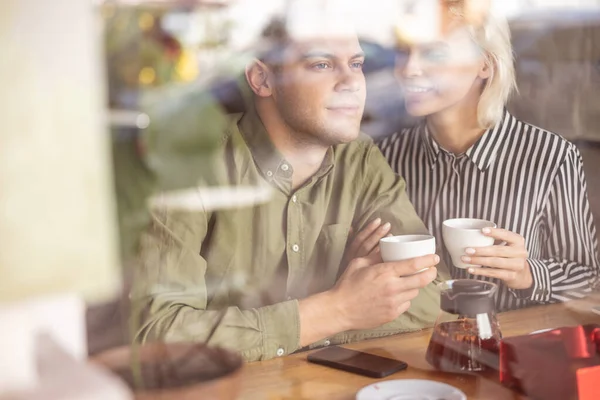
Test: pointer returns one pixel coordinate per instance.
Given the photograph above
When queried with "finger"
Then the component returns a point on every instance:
(416, 281)
(374, 258)
(402, 308)
(361, 262)
(503, 275)
(511, 238)
(497, 251)
(406, 296)
(372, 241)
(376, 250)
(353, 245)
(364, 233)
(513, 264)
(414, 265)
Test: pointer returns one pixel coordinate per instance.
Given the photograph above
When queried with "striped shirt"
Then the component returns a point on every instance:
(523, 178)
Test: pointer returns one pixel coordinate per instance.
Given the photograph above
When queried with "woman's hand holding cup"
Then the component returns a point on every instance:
(471, 244)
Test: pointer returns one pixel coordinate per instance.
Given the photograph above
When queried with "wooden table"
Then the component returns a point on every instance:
(292, 377)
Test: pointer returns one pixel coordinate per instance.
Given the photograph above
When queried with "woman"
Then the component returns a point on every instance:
(471, 158)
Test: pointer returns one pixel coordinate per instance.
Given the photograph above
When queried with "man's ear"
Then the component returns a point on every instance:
(258, 77)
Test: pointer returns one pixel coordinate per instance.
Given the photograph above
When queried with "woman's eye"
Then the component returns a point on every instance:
(435, 55)
(402, 56)
(404, 53)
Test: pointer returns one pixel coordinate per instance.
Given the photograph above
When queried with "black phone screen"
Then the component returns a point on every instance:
(357, 362)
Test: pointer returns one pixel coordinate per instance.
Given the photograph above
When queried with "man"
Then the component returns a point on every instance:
(276, 269)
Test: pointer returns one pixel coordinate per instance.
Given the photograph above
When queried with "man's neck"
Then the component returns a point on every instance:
(304, 156)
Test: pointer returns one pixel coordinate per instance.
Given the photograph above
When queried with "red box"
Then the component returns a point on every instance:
(561, 364)
(588, 383)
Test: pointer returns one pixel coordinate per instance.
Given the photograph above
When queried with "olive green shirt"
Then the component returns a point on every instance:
(257, 261)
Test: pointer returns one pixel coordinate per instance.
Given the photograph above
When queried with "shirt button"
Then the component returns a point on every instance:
(269, 173)
(285, 167)
(296, 248)
(294, 198)
(280, 352)
(327, 342)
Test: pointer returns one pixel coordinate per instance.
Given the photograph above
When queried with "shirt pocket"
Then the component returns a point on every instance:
(335, 234)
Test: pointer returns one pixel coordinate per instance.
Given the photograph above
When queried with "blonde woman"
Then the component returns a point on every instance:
(471, 158)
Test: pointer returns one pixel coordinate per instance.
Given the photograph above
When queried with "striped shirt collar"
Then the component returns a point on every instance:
(482, 153)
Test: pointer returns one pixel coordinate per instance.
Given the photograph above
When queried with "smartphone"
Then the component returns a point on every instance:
(357, 362)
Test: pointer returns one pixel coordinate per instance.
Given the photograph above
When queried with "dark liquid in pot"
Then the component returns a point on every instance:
(457, 346)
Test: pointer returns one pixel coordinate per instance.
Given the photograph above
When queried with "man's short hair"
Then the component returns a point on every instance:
(274, 40)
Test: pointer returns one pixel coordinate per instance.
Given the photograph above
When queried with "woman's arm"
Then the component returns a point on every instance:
(568, 265)
(570, 258)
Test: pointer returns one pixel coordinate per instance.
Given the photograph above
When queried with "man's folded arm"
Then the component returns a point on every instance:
(385, 197)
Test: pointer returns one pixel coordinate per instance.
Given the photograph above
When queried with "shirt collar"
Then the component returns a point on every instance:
(483, 152)
(432, 149)
(268, 159)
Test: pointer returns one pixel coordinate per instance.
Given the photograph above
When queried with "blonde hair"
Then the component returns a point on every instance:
(492, 35)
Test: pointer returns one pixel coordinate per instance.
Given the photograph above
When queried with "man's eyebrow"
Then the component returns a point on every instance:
(317, 54)
(325, 54)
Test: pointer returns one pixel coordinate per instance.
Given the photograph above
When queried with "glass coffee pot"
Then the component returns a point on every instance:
(466, 336)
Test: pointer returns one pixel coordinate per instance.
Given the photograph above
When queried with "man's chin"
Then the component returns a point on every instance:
(343, 133)
(343, 138)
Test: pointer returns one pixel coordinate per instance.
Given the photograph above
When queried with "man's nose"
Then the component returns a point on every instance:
(350, 80)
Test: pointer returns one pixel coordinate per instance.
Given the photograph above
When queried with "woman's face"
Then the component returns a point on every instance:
(441, 74)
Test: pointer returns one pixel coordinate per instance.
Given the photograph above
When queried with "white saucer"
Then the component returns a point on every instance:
(410, 389)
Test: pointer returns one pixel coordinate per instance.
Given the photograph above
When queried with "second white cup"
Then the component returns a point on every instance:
(461, 233)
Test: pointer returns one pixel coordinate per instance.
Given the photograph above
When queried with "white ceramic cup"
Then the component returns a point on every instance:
(404, 247)
(461, 233)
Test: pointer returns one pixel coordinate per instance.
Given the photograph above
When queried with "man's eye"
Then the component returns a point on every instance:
(321, 66)
(357, 65)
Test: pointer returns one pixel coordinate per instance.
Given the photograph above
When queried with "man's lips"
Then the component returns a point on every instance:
(345, 109)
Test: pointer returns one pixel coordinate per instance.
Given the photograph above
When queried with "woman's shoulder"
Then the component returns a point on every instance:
(541, 140)
(540, 133)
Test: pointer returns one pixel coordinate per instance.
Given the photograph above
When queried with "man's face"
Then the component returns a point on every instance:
(320, 89)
